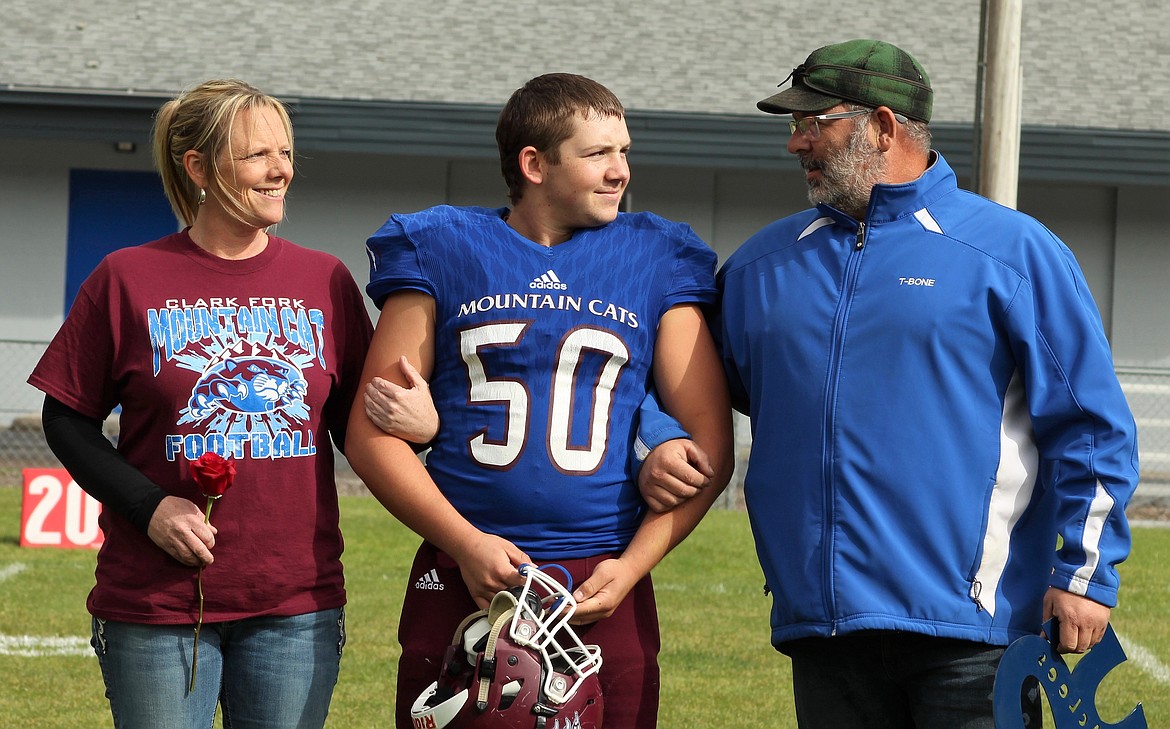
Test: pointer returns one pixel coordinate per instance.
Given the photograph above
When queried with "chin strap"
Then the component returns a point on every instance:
(500, 614)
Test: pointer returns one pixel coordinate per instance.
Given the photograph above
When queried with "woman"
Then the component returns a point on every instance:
(221, 338)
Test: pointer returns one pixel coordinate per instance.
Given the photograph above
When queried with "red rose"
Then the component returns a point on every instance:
(213, 473)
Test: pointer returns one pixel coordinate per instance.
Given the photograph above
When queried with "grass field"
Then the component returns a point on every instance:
(718, 669)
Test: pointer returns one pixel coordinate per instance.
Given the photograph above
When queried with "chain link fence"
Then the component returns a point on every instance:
(22, 444)
(1148, 393)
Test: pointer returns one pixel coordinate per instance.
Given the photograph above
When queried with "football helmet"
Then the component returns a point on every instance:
(517, 665)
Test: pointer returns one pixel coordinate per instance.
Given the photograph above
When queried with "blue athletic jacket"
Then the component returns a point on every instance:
(933, 402)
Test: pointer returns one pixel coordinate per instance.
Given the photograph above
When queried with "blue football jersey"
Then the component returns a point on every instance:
(542, 358)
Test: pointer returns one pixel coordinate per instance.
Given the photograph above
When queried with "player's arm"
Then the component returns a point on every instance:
(393, 473)
(689, 378)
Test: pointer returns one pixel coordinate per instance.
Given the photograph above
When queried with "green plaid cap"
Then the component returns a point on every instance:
(868, 72)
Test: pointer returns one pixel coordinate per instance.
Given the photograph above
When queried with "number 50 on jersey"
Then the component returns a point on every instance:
(55, 512)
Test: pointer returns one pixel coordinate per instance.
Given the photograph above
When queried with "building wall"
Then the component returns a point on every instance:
(1142, 304)
(34, 213)
(337, 200)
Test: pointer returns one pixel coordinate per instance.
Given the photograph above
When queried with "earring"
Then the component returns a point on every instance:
(202, 196)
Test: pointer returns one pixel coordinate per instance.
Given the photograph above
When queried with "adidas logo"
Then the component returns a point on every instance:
(429, 581)
(547, 280)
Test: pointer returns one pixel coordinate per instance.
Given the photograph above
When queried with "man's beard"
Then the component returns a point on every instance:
(848, 174)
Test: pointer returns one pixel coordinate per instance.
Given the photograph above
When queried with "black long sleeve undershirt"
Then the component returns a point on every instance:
(97, 466)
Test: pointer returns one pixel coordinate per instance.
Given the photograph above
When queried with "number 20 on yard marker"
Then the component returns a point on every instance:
(55, 512)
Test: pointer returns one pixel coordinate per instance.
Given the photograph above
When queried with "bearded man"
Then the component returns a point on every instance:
(933, 403)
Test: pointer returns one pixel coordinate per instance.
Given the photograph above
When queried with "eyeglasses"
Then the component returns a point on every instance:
(809, 127)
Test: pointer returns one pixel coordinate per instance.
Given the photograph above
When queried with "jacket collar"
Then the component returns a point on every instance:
(891, 202)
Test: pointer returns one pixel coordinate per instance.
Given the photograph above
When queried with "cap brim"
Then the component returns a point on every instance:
(797, 98)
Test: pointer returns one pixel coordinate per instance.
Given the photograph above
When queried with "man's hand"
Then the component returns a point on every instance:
(407, 412)
(675, 471)
(1082, 621)
(177, 527)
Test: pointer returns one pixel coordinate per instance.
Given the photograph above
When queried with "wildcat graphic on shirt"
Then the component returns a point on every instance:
(248, 385)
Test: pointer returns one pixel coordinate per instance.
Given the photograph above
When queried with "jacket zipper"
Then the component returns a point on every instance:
(848, 284)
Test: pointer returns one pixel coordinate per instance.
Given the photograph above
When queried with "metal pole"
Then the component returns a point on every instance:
(999, 160)
(980, 82)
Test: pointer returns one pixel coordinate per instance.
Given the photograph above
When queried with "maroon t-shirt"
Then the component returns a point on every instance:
(255, 359)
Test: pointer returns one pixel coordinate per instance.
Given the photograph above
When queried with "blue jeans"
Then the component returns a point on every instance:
(265, 673)
(894, 680)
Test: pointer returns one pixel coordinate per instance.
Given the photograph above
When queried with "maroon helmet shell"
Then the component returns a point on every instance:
(516, 665)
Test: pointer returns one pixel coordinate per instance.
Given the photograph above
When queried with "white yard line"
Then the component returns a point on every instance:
(34, 646)
(1145, 659)
(31, 645)
(12, 570)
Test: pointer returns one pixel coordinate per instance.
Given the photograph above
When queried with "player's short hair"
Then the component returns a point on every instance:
(540, 114)
(201, 119)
